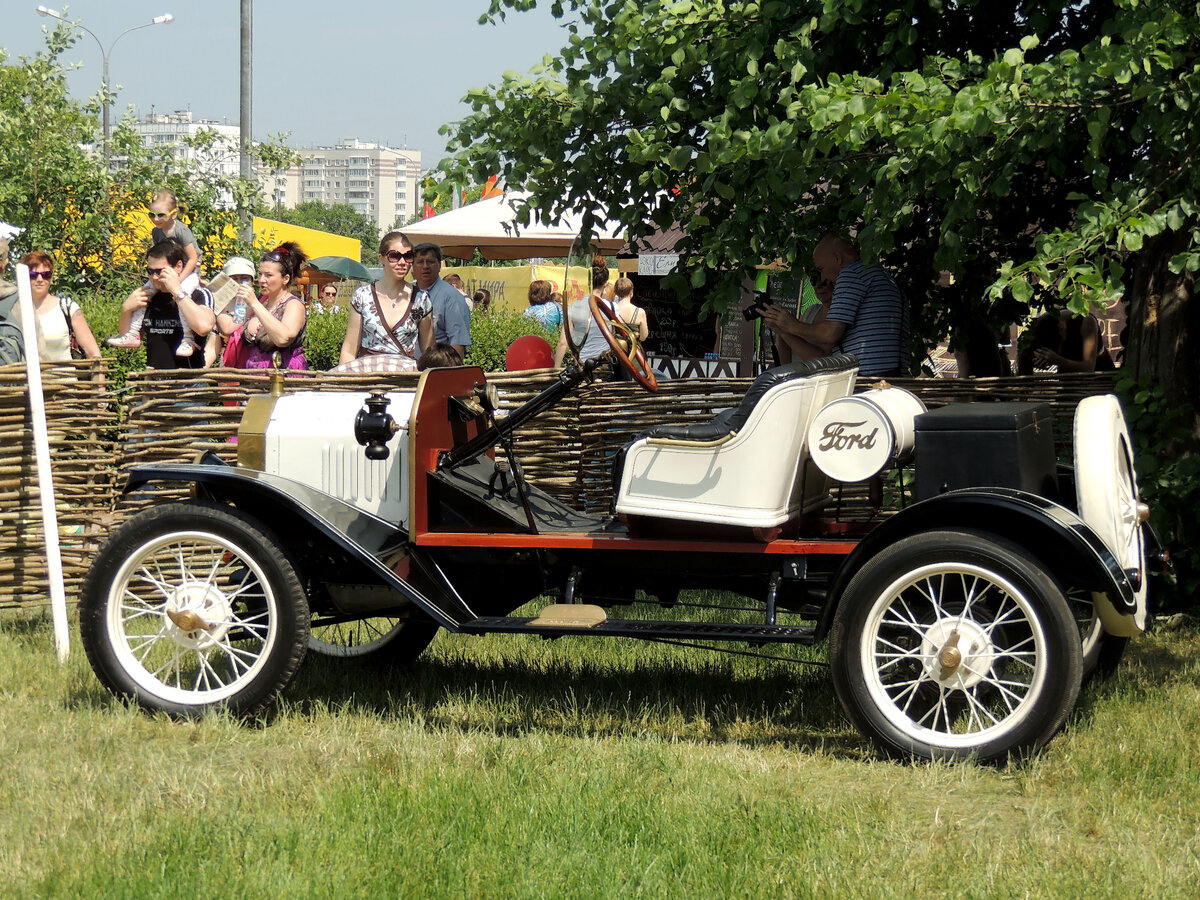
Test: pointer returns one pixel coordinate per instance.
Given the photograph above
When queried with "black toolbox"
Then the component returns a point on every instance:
(986, 445)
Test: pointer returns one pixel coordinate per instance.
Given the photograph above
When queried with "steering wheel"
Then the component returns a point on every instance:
(634, 358)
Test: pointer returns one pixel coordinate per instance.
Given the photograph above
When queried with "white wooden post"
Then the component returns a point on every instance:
(41, 444)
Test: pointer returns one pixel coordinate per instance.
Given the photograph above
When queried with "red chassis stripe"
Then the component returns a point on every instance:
(620, 542)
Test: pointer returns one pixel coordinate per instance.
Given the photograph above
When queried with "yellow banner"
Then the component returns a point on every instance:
(509, 285)
(269, 233)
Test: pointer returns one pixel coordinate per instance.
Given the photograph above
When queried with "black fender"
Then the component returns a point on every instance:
(363, 537)
(1049, 531)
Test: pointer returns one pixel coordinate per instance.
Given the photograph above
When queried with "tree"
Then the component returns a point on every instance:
(1036, 151)
(91, 219)
(339, 218)
(48, 184)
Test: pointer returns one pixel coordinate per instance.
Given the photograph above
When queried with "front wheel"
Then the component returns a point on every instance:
(955, 645)
(191, 606)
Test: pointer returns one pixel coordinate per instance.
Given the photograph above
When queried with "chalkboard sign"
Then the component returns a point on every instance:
(674, 330)
(732, 325)
(791, 294)
(784, 292)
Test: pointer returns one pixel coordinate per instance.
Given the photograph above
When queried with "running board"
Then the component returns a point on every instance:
(647, 630)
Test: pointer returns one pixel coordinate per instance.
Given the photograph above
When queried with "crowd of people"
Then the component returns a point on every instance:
(174, 316)
(415, 318)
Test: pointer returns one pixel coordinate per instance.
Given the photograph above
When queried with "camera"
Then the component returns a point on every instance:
(755, 309)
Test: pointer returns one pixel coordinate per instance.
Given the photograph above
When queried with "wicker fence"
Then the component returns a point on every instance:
(96, 434)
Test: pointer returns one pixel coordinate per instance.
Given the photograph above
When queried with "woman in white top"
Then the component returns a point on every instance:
(384, 317)
(57, 317)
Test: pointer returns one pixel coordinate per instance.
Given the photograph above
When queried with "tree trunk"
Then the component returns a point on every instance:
(1164, 323)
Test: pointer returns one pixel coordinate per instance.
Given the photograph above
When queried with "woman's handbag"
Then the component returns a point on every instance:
(236, 351)
(64, 306)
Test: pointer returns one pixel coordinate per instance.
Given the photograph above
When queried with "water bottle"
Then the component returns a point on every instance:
(239, 312)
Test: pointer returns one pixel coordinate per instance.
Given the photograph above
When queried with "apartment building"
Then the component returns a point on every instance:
(381, 183)
(173, 130)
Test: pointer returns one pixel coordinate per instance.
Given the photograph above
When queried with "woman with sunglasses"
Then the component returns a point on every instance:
(275, 321)
(59, 320)
(383, 317)
(164, 213)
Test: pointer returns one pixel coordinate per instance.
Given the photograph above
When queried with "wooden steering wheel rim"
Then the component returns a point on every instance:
(638, 366)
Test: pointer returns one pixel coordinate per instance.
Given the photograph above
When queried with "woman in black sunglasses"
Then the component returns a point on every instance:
(383, 317)
(62, 329)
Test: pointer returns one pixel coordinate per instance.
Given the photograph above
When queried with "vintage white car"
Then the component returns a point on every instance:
(960, 627)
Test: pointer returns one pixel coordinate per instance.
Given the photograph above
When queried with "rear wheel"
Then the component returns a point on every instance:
(1102, 651)
(394, 640)
(955, 645)
(189, 607)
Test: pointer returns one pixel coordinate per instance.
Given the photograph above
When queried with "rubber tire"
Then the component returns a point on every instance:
(400, 645)
(1059, 666)
(1102, 652)
(285, 607)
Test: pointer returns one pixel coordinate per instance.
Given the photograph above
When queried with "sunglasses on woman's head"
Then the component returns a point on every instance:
(397, 255)
(45, 276)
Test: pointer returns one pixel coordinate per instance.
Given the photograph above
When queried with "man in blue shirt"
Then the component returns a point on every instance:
(451, 315)
(868, 316)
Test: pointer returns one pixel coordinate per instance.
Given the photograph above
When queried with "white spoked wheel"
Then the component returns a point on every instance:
(1106, 487)
(955, 645)
(399, 640)
(189, 607)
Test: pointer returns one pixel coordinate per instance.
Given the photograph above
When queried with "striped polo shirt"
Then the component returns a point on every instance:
(874, 310)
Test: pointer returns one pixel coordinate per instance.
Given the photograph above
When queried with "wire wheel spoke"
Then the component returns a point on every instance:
(193, 615)
(954, 651)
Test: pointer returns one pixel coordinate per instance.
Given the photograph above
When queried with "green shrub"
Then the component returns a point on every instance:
(323, 339)
(103, 314)
(492, 332)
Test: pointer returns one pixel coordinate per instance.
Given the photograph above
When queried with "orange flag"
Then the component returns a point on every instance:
(490, 189)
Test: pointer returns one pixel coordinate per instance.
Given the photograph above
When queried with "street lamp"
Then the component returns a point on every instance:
(165, 19)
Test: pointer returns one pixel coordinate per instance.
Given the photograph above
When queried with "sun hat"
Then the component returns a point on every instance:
(238, 265)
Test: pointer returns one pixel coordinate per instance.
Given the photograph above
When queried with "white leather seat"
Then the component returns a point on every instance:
(749, 465)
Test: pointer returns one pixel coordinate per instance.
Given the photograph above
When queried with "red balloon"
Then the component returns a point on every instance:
(529, 352)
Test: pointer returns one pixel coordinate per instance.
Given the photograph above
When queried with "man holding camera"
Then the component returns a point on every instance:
(868, 315)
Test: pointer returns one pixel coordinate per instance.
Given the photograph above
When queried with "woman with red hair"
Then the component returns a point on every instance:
(61, 325)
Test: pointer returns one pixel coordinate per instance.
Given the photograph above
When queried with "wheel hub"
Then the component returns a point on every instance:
(957, 652)
(197, 615)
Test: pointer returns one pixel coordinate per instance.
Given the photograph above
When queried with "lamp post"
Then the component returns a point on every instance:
(165, 19)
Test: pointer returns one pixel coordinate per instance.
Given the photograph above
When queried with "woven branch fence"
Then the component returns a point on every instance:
(164, 416)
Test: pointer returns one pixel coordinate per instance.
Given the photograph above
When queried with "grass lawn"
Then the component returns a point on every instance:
(514, 767)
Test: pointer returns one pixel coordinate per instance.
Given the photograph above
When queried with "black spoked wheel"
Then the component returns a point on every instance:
(392, 640)
(193, 606)
(1102, 651)
(956, 645)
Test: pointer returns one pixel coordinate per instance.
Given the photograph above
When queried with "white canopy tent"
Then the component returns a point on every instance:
(490, 225)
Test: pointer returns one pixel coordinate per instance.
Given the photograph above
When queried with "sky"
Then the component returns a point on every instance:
(390, 72)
